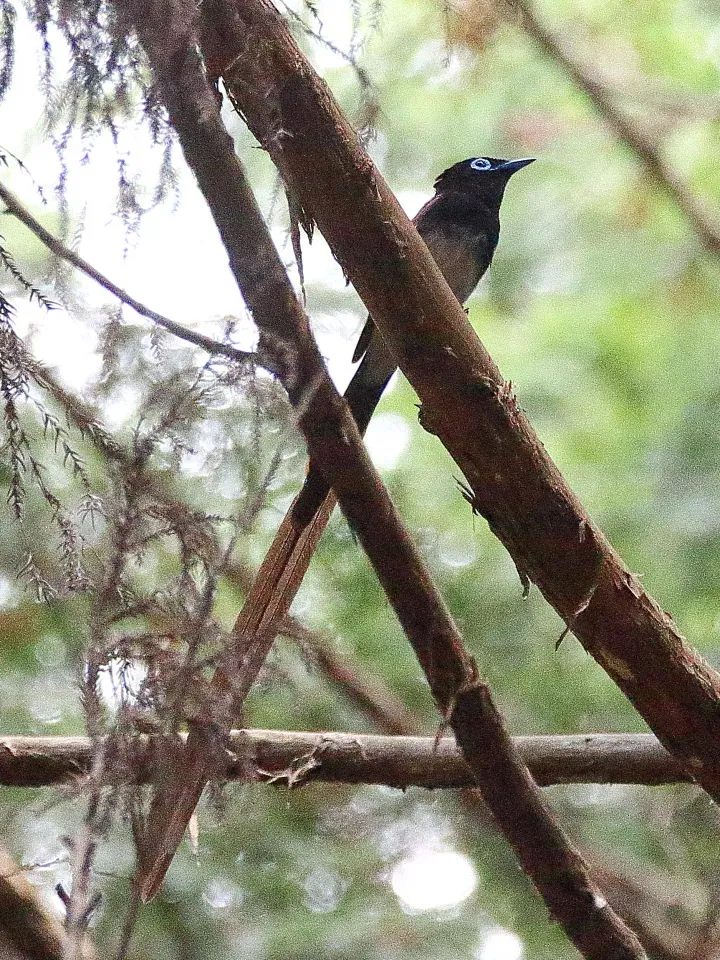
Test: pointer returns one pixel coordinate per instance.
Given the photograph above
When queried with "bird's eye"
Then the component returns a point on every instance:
(480, 163)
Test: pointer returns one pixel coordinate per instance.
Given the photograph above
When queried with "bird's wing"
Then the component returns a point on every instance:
(364, 341)
(367, 331)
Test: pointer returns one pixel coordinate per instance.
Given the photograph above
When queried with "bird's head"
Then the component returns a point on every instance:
(486, 176)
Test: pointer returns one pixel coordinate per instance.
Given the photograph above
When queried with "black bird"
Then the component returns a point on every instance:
(460, 226)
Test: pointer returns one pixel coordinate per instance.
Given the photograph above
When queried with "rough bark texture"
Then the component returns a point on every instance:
(513, 483)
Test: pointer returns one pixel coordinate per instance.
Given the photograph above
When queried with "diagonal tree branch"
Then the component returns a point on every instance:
(166, 32)
(512, 481)
(697, 213)
(214, 347)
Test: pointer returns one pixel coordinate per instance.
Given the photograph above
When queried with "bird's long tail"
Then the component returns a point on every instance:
(268, 602)
(288, 558)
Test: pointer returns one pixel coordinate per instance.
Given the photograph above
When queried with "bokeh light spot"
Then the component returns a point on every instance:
(433, 880)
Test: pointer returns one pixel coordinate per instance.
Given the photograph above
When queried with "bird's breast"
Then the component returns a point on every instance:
(463, 257)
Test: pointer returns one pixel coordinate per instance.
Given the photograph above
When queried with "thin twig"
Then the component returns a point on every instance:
(215, 347)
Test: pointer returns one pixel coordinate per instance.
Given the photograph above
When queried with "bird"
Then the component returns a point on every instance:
(460, 225)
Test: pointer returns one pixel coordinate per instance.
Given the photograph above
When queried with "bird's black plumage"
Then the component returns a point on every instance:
(460, 226)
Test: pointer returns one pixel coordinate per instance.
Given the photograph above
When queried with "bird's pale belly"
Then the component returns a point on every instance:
(458, 262)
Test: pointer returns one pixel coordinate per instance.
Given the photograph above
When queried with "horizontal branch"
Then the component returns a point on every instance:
(292, 757)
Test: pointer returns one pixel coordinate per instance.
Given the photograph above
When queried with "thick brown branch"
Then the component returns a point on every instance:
(294, 757)
(215, 347)
(166, 33)
(641, 145)
(466, 403)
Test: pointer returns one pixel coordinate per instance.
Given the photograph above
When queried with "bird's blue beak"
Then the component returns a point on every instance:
(512, 166)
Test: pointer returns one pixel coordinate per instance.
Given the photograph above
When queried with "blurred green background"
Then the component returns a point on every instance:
(600, 307)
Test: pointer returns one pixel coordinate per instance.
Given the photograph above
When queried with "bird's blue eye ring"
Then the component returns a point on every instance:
(480, 163)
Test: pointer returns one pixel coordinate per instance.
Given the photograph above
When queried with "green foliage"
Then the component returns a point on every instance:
(601, 307)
